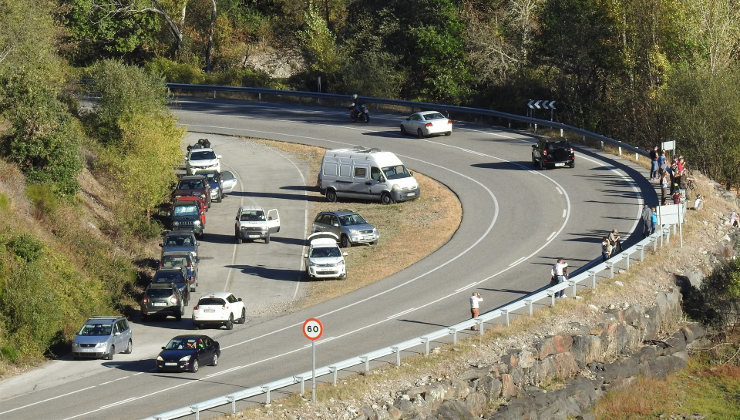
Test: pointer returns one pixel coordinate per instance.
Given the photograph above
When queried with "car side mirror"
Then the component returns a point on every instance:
(197, 260)
(269, 218)
(218, 156)
(305, 255)
(344, 254)
(163, 347)
(239, 299)
(335, 224)
(117, 333)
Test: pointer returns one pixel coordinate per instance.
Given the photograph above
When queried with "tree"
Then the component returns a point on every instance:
(319, 44)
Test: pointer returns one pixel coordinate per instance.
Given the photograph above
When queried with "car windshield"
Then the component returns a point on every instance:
(396, 172)
(174, 240)
(186, 210)
(558, 145)
(190, 184)
(212, 176)
(434, 116)
(159, 293)
(351, 219)
(172, 261)
(325, 252)
(252, 216)
(168, 277)
(202, 155)
(211, 301)
(95, 329)
(181, 343)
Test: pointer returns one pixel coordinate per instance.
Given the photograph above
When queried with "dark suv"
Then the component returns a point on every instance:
(178, 276)
(195, 185)
(553, 153)
(349, 226)
(162, 299)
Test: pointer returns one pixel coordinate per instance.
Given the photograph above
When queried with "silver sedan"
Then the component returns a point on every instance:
(426, 123)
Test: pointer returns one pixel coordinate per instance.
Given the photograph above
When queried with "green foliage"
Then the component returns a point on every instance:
(241, 77)
(175, 72)
(43, 197)
(25, 246)
(4, 203)
(319, 44)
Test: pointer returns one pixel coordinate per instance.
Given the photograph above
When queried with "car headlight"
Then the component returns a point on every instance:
(184, 358)
(196, 222)
(340, 262)
(354, 232)
(160, 359)
(175, 223)
(101, 345)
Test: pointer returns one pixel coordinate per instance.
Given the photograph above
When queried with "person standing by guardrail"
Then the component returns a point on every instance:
(475, 301)
(559, 273)
(654, 163)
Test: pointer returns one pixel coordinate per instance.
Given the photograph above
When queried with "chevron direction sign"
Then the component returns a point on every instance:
(541, 104)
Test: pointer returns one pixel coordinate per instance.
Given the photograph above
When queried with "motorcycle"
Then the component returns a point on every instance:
(359, 113)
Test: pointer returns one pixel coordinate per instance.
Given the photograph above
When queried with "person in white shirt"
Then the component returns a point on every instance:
(475, 301)
(559, 272)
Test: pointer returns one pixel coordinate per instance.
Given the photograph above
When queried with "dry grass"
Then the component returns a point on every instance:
(435, 216)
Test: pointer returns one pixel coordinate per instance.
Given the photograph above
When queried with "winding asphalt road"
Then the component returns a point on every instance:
(516, 222)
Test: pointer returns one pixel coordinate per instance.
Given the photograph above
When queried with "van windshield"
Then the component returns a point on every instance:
(396, 172)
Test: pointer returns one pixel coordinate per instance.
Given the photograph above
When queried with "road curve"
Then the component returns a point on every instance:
(516, 222)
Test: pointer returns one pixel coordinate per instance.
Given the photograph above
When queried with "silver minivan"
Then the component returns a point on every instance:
(103, 336)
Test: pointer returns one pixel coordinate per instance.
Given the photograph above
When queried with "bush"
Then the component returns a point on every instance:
(43, 197)
(240, 77)
(175, 72)
(26, 247)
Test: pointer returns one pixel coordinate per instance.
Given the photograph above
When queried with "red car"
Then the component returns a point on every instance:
(193, 185)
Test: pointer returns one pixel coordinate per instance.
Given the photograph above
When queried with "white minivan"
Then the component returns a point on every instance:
(367, 174)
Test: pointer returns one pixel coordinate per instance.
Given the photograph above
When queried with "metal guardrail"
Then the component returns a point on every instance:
(585, 276)
(260, 93)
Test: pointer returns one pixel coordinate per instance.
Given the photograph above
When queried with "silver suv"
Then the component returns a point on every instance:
(103, 336)
(349, 226)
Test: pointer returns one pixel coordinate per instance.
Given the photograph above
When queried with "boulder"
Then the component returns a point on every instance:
(453, 409)
(490, 387)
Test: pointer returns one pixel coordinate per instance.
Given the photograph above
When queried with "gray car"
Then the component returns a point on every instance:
(180, 241)
(103, 336)
(349, 226)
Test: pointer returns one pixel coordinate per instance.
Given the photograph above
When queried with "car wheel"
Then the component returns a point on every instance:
(449, 133)
(144, 318)
(178, 316)
(403, 130)
(194, 367)
(419, 133)
(243, 318)
(196, 325)
(572, 163)
(374, 243)
(267, 238)
(343, 276)
(237, 237)
(344, 242)
(110, 354)
(331, 196)
(230, 322)
(541, 164)
(129, 347)
(386, 198)
(215, 360)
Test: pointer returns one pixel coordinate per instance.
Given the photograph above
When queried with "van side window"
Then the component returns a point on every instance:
(375, 173)
(345, 170)
(360, 172)
(330, 169)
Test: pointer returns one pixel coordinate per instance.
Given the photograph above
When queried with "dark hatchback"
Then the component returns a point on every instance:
(162, 300)
(187, 353)
(553, 153)
(178, 276)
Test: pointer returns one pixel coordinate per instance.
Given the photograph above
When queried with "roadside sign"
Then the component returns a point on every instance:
(669, 145)
(313, 329)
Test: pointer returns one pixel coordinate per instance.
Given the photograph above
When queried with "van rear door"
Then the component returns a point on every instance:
(273, 220)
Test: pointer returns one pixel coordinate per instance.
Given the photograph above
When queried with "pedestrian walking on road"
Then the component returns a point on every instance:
(475, 301)
(559, 273)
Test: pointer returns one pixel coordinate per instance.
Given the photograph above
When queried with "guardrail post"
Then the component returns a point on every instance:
(303, 383)
(506, 316)
(259, 96)
(266, 390)
(628, 260)
(535, 128)
(232, 400)
(214, 94)
(610, 266)
(529, 303)
(573, 285)
(366, 361)
(334, 375)
(397, 350)
(552, 298)
(637, 156)
(425, 340)
(196, 410)
(620, 150)
(602, 144)
(655, 242)
(479, 323)
(592, 273)
(561, 132)
(641, 248)
(453, 332)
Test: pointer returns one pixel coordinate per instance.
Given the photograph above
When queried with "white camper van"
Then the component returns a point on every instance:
(367, 174)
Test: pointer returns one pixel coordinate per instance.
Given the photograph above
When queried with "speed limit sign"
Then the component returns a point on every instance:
(313, 329)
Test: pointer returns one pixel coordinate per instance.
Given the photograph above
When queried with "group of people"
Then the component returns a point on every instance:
(672, 177)
(611, 244)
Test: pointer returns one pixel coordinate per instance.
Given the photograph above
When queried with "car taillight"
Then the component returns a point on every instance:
(544, 153)
(571, 150)
(449, 121)
(145, 300)
(428, 124)
(173, 299)
(195, 308)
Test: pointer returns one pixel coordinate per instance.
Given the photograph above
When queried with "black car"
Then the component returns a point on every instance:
(162, 300)
(553, 153)
(188, 352)
(178, 276)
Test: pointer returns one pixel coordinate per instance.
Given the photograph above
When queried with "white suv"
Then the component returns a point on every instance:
(324, 258)
(200, 160)
(219, 309)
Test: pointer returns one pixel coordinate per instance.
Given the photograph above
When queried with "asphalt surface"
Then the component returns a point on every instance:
(516, 222)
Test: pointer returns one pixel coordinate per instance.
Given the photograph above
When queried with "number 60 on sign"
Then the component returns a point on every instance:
(312, 329)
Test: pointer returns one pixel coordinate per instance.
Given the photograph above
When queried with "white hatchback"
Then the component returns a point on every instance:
(217, 309)
(324, 258)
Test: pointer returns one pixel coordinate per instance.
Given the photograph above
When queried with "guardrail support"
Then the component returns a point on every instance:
(334, 375)
(506, 316)
(655, 243)
(453, 332)
(602, 144)
(592, 273)
(232, 400)
(641, 248)
(366, 361)
(552, 298)
(572, 284)
(610, 266)
(214, 94)
(266, 390)
(479, 323)
(303, 383)
(628, 261)
(529, 303)
(620, 150)
(425, 340)
(196, 410)
(259, 96)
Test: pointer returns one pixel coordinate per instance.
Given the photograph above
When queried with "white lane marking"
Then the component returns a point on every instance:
(114, 380)
(46, 400)
(401, 313)
(552, 235)
(563, 213)
(559, 190)
(117, 403)
(519, 260)
(465, 287)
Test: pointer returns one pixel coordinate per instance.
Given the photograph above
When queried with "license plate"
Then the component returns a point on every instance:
(159, 304)
(170, 364)
(209, 310)
(411, 194)
(560, 164)
(253, 236)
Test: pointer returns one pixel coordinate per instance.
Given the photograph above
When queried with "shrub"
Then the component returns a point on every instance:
(4, 203)
(175, 72)
(26, 247)
(43, 197)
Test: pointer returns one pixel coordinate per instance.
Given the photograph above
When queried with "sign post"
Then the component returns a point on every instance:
(313, 329)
